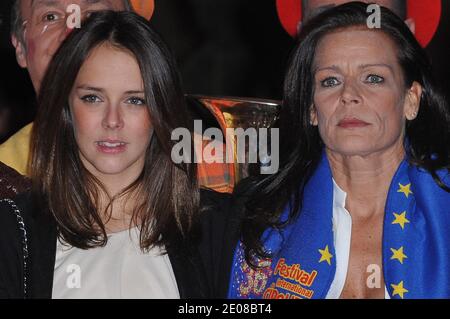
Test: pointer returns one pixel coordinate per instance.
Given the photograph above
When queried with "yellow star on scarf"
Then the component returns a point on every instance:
(399, 289)
(405, 189)
(398, 254)
(325, 255)
(400, 219)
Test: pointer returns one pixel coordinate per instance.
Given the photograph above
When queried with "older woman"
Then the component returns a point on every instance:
(360, 207)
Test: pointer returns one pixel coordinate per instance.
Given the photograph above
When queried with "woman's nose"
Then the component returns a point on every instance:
(350, 93)
(113, 118)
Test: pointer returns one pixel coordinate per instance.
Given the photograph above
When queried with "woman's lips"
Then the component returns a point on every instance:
(352, 123)
(111, 147)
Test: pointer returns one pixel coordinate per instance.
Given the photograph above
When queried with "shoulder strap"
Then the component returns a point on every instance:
(24, 239)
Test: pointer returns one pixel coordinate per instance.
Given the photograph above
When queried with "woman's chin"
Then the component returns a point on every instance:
(353, 149)
(110, 168)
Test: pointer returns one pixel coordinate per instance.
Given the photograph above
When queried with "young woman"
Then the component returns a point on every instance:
(110, 215)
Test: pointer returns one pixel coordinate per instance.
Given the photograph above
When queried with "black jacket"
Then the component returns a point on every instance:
(221, 225)
(28, 249)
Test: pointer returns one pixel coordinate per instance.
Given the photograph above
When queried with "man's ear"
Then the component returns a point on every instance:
(411, 25)
(21, 54)
(313, 115)
(412, 101)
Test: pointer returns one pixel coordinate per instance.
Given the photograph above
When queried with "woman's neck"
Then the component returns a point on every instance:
(366, 179)
(117, 210)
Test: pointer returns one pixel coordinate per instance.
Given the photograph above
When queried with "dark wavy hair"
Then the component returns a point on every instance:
(301, 146)
(167, 195)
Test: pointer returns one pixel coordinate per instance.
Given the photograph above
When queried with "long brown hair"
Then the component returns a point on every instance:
(427, 141)
(166, 194)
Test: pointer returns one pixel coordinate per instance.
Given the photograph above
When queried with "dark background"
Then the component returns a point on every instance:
(223, 47)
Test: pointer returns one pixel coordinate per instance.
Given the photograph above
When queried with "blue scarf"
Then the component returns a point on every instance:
(416, 243)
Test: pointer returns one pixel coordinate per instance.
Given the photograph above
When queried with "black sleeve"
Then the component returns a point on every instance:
(11, 253)
(220, 234)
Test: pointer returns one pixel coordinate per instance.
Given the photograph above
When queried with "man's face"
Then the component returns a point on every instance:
(316, 6)
(45, 28)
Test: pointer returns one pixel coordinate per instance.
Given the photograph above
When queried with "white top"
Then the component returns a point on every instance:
(342, 231)
(118, 270)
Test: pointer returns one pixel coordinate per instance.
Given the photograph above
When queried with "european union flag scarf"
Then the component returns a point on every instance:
(416, 243)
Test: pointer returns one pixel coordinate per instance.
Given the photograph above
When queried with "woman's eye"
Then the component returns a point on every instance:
(330, 82)
(91, 98)
(374, 79)
(136, 101)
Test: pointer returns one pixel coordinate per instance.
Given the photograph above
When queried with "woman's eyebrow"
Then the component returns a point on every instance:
(331, 67)
(361, 66)
(89, 88)
(135, 92)
(97, 89)
(369, 65)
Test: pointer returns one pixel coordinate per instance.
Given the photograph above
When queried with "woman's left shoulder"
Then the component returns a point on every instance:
(428, 185)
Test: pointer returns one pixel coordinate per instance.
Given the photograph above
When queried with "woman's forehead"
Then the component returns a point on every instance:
(356, 45)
